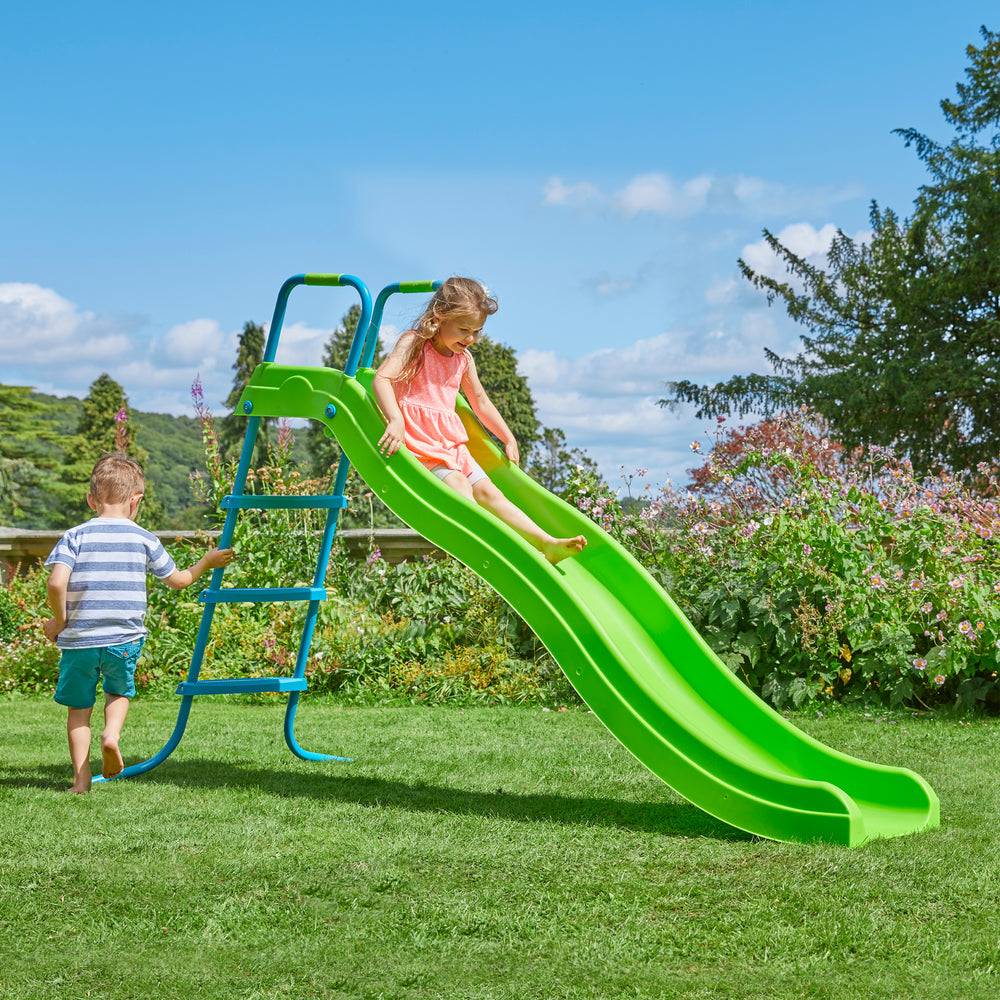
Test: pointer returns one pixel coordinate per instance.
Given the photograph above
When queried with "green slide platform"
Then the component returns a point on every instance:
(625, 646)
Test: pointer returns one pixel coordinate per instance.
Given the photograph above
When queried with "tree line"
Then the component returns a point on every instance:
(48, 445)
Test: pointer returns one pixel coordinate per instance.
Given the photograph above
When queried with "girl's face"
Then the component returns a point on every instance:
(457, 332)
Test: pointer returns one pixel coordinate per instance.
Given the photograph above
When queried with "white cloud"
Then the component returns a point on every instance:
(39, 326)
(557, 193)
(188, 343)
(659, 194)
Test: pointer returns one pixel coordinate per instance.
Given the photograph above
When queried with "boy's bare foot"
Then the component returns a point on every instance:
(562, 548)
(80, 791)
(112, 758)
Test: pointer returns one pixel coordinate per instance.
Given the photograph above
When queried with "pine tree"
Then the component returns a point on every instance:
(232, 427)
(105, 426)
(324, 451)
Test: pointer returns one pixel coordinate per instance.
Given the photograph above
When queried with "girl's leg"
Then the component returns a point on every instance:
(115, 710)
(78, 730)
(488, 496)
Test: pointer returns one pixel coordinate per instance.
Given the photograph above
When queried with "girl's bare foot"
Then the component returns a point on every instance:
(112, 759)
(562, 548)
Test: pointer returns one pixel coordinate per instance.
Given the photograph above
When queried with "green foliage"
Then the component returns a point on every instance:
(46, 472)
(496, 365)
(870, 584)
(552, 464)
(232, 427)
(105, 425)
(25, 466)
(29, 663)
(174, 451)
(903, 325)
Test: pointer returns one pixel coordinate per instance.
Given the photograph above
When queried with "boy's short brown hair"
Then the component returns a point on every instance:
(116, 479)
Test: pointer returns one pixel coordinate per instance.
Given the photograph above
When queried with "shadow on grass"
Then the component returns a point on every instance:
(676, 819)
(49, 777)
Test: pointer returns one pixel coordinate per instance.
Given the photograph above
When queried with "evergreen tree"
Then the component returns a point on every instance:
(324, 451)
(25, 458)
(232, 428)
(496, 365)
(105, 426)
(904, 329)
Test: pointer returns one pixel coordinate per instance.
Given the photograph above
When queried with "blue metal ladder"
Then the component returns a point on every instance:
(363, 345)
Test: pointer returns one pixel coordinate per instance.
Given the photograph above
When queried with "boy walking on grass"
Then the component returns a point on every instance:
(97, 592)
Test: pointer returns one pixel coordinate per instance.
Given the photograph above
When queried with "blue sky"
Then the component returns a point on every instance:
(600, 166)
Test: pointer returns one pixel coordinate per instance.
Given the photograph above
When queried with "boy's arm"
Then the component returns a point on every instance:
(56, 592)
(487, 412)
(213, 559)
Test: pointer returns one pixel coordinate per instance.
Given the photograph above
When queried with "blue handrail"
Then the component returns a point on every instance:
(370, 338)
(278, 318)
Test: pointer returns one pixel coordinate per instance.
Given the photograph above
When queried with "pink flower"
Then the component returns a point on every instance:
(939, 680)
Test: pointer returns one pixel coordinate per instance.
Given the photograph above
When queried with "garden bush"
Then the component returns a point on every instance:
(817, 575)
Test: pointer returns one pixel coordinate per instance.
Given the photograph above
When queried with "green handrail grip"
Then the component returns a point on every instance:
(322, 279)
(418, 287)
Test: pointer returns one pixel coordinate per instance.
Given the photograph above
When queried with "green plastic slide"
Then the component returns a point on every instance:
(625, 646)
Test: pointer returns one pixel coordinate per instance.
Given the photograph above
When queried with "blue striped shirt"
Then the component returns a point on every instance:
(108, 558)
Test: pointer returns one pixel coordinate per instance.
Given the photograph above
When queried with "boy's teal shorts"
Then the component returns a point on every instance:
(80, 669)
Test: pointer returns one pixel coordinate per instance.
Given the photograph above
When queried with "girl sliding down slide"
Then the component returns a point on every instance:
(417, 386)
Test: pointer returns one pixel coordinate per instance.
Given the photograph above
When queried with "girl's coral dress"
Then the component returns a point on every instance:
(433, 430)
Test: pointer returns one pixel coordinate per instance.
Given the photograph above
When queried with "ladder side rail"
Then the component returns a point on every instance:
(371, 335)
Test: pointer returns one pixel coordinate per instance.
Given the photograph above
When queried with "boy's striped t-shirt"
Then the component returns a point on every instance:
(108, 558)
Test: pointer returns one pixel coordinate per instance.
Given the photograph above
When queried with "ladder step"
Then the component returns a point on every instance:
(242, 685)
(260, 595)
(247, 501)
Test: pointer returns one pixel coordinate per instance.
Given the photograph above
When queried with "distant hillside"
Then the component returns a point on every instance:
(174, 446)
(175, 451)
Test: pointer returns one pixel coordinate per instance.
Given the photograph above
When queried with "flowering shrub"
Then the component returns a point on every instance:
(29, 663)
(818, 579)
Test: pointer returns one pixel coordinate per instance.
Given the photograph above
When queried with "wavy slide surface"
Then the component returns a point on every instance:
(625, 646)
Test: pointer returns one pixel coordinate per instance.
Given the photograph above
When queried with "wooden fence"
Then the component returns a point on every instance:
(22, 549)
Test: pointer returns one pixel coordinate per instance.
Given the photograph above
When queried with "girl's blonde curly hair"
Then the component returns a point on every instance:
(456, 298)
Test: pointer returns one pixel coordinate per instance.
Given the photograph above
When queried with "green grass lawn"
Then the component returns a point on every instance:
(484, 853)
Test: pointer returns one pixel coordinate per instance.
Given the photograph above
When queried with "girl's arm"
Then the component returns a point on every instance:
(488, 414)
(390, 369)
